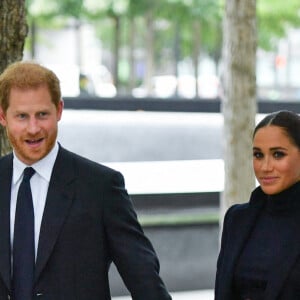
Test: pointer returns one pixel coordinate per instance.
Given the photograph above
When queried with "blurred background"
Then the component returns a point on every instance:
(142, 82)
(157, 48)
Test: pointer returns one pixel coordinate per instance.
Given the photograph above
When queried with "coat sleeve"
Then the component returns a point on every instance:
(130, 249)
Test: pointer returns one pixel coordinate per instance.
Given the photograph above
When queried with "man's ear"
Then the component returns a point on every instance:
(60, 109)
(2, 117)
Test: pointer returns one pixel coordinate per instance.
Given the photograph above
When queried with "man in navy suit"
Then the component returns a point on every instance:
(83, 217)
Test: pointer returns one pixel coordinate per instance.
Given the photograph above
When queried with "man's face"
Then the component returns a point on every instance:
(31, 122)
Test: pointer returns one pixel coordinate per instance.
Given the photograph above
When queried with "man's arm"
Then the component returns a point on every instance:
(131, 251)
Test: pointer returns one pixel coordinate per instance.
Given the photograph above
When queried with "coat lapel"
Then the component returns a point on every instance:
(242, 223)
(285, 260)
(58, 203)
(5, 188)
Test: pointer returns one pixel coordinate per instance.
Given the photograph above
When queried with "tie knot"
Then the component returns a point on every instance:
(28, 172)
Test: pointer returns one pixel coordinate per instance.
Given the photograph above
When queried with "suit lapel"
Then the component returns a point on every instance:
(5, 187)
(58, 203)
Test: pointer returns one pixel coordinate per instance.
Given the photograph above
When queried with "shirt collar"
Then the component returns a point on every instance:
(43, 167)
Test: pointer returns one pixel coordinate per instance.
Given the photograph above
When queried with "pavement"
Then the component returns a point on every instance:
(187, 295)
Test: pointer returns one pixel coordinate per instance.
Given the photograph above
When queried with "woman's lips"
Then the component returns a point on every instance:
(268, 180)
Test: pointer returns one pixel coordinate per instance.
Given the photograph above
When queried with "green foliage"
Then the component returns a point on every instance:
(93, 9)
(41, 9)
(274, 18)
(139, 7)
(45, 9)
(71, 8)
(52, 14)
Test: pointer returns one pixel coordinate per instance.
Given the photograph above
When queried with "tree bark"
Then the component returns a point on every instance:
(149, 52)
(13, 31)
(196, 54)
(132, 75)
(116, 51)
(239, 100)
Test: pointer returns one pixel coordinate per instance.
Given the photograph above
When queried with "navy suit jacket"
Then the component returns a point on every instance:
(284, 280)
(88, 222)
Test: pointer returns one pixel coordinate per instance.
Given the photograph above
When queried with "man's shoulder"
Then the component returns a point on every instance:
(6, 166)
(6, 159)
(83, 164)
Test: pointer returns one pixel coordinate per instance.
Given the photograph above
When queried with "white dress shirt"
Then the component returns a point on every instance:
(39, 187)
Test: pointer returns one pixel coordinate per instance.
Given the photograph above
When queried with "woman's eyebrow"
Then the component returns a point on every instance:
(277, 148)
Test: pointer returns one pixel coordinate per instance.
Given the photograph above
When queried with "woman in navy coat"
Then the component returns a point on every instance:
(260, 248)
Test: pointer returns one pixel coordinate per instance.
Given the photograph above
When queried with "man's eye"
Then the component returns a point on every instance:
(42, 114)
(21, 116)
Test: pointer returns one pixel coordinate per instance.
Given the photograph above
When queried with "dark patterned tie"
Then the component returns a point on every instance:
(23, 244)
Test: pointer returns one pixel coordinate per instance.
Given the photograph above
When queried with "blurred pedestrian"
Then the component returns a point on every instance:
(85, 86)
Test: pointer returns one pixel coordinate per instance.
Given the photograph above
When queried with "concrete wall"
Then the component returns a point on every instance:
(187, 256)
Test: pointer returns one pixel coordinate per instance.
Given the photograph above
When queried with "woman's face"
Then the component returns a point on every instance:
(276, 160)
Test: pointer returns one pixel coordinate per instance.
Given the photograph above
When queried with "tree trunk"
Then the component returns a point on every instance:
(196, 53)
(239, 100)
(116, 52)
(177, 54)
(13, 31)
(149, 52)
(33, 31)
(132, 75)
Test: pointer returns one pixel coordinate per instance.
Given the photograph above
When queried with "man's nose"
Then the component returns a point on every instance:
(33, 126)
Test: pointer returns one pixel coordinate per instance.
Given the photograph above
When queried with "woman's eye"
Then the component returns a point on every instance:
(278, 154)
(257, 154)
